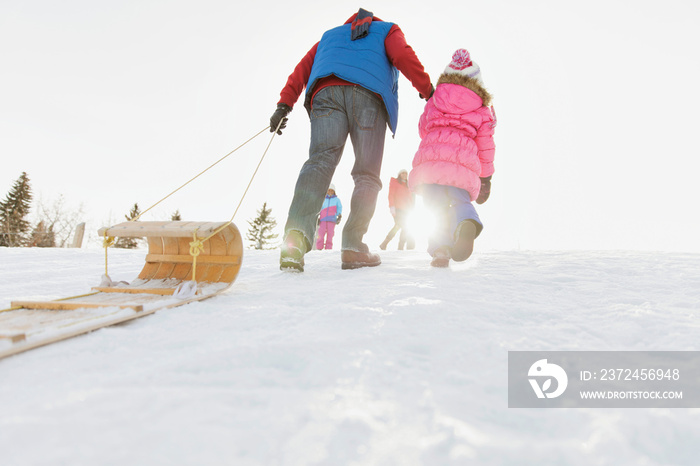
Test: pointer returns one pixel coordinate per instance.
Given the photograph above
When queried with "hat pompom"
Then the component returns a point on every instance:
(462, 64)
(460, 60)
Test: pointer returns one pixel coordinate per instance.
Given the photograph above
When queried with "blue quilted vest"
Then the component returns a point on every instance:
(362, 62)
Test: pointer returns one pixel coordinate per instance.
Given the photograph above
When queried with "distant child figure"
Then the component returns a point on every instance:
(454, 162)
(401, 202)
(329, 217)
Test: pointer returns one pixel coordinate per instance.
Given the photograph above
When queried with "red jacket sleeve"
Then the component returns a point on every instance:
(402, 56)
(298, 79)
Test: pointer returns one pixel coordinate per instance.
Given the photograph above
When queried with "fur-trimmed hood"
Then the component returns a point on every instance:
(456, 130)
(470, 83)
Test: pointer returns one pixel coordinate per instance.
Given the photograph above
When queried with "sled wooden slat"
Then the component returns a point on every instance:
(168, 263)
(181, 258)
(155, 246)
(165, 269)
(161, 229)
(169, 249)
(16, 338)
(121, 289)
(68, 306)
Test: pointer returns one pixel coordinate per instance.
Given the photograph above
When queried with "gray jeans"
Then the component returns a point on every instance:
(339, 111)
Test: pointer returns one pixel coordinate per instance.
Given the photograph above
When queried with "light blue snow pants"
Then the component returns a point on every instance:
(451, 206)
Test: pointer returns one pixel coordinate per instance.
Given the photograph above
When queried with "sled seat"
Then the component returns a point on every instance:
(169, 261)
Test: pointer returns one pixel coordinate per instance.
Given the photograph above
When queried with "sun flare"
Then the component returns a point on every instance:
(421, 221)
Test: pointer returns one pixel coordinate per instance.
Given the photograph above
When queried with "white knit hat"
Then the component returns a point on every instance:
(462, 64)
(331, 186)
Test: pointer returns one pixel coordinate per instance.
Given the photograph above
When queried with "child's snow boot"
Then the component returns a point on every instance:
(464, 243)
(441, 257)
(293, 250)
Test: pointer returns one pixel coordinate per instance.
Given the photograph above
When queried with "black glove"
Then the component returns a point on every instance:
(337, 220)
(485, 190)
(432, 91)
(279, 115)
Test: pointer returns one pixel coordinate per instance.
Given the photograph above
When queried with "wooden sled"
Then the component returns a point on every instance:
(169, 263)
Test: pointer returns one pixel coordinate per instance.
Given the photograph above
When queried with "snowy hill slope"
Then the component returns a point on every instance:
(396, 365)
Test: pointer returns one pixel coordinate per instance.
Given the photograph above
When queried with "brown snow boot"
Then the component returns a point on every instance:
(441, 257)
(464, 244)
(355, 260)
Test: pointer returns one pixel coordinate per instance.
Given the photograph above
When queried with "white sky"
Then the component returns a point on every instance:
(111, 103)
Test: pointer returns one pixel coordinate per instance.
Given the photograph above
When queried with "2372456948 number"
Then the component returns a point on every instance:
(639, 374)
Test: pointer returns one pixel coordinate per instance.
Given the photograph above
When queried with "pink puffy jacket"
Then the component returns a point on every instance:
(456, 131)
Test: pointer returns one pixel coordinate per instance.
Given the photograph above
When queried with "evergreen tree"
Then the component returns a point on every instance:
(176, 217)
(129, 243)
(13, 210)
(42, 236)
(260, 232)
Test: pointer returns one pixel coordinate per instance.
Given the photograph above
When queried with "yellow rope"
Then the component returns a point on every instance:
(196, 247)
(106, 243)
(78, 296)
(14, 308)
(198, 175)
(218, 230)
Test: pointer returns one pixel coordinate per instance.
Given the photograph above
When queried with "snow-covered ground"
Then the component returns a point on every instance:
(395, 365)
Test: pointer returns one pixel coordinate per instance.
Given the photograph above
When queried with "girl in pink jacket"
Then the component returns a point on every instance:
(454, 162)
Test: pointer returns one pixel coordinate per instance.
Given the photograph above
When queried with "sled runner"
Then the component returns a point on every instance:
(186, 262)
